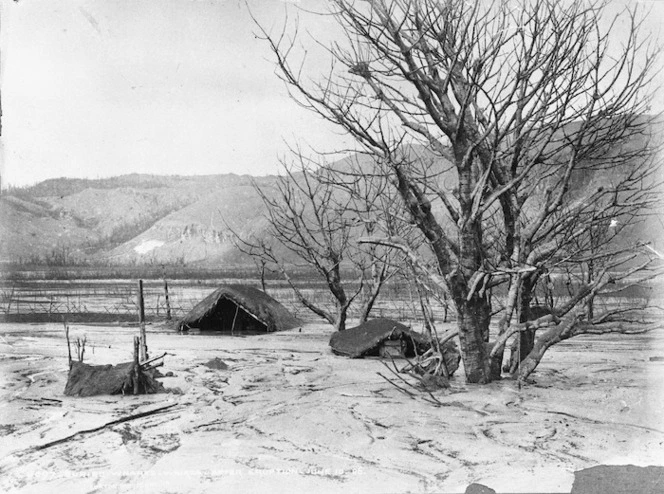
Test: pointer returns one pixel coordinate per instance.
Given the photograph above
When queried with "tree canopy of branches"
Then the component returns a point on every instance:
(512, 131)
(317, 213)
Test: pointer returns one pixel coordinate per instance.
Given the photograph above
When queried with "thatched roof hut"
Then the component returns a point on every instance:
(373, 337)
(92, 380)
(388, 338)
(239, 308)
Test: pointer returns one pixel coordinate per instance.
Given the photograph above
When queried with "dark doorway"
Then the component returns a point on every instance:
(229, 317)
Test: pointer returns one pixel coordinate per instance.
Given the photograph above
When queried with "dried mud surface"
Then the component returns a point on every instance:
(289, 416)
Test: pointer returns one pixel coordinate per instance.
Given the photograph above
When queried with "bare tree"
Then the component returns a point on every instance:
(484, 116)
(595, 231)
(318, 222)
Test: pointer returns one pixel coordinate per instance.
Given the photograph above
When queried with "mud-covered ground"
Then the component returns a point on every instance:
(289, 416)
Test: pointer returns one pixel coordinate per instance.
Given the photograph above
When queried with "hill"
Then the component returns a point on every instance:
(127, 219)
(147, 219)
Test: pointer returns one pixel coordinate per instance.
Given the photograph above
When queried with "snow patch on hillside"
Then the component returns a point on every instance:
(148, 245)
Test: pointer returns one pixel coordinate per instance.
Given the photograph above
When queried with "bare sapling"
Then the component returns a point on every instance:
(80, 347)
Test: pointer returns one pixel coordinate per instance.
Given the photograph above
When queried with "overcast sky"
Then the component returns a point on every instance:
(95, 88)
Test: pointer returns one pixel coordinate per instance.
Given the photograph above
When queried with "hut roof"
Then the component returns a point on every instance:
(365, 338)
(92, 380)
(255, 302)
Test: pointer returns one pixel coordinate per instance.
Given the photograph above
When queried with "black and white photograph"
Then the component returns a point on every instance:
(361, 246)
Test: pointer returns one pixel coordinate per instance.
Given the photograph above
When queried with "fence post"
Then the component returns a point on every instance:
(168, 303)
(141, 321)
(141, 306)
(136, 369)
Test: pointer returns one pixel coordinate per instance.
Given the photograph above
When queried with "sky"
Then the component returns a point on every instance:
(98, 88)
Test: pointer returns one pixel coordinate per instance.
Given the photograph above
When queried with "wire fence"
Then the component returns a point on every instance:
(117, 300)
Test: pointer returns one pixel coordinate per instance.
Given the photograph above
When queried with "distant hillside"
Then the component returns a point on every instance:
(199, 232)
(127, 219)
(149, 219)
(68, 186)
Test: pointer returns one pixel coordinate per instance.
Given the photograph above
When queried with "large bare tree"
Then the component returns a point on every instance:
(493, 120)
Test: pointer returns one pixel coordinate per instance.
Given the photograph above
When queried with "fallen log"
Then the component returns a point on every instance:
(101, 427)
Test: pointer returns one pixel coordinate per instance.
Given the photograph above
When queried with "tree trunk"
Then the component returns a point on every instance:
(590, 304)
(364, 314)
(473, 318)
(473, 309)
(342, 302)
(544, 342)
(342, 314)
(425, 308)
(533, 359)
(503, 325)
(525, 339)
(369, 300)
(473, 322)
(262, 275)
(366, 308)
